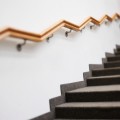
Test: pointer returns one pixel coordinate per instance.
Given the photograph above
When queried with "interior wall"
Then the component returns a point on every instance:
(28, 79)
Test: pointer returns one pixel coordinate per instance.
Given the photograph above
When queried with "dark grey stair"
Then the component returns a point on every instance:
(89, 110)
(84, 119)
(94, 94)
(118, 47)
(113, 58)
(109, 54)
(104, 80)
(111, 64)
(116, 52)
(105, 72)
(95, 98)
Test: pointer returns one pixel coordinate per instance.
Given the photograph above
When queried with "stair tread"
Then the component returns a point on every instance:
(103, 80)
(110, 62)
(107, 69)
(105, 88)
(90, 105)
(113, 56)
(109, 76)
(85, 119)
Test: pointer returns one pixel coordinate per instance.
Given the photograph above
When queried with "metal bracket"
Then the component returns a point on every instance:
(82, 29)
(117, 19)
(67, 32)
(106, 22)
(92, 26)
(19, 46)
(49, 38)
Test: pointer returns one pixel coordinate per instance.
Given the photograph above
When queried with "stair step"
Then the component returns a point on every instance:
(116, 52)
(106, 72)
(81, 119)
(94, 94)
(113, 58)
(111, 64)
(88, 110)
(104, 80)
(118, 47)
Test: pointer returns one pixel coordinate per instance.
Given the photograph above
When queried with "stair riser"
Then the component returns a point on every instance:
(117, 58)
(111, 65)
(96, 73)
(93, 96)
(88, 113)
(117, 53)
(118, 49)
(103, 81)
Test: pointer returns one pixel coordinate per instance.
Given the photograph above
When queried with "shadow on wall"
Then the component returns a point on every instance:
(8, 48)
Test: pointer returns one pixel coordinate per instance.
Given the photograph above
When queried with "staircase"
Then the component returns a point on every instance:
(100, 99)
(97, 97)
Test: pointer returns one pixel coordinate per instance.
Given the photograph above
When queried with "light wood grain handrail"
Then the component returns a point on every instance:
(5, 32)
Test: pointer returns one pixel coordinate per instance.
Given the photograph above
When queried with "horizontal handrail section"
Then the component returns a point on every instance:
(12, 32)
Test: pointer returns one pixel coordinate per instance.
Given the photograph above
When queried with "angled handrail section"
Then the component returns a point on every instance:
(5, 32)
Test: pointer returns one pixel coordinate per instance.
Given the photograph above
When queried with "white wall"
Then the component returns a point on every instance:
(28, 79)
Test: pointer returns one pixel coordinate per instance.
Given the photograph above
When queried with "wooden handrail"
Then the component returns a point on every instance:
(5, 32)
